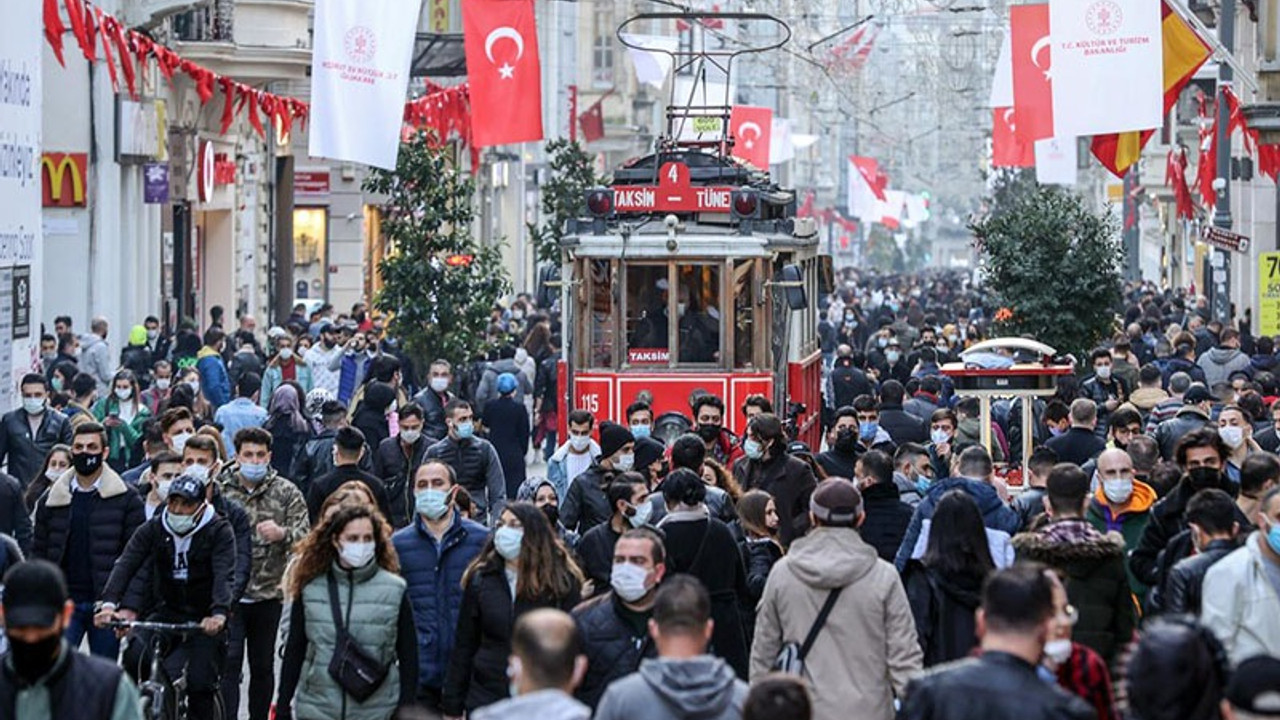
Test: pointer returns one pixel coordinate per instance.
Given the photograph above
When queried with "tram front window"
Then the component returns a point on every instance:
(648, 326)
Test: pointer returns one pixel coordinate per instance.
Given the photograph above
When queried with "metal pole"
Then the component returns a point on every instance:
(573, 113)
(1130, 232)
(1220, 271)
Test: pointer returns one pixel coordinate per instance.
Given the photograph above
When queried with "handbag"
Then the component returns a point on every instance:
(352, 667)
(791, 657)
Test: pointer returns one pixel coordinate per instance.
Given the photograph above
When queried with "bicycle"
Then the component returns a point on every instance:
(163, 699)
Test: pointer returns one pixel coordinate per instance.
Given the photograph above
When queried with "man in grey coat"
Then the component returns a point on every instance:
(95, 355)
(683, 682)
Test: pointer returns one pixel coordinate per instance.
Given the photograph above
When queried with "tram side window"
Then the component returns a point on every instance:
(648, 317)
(700, 317)
(646, 321)
(743, 290)
(601, 314)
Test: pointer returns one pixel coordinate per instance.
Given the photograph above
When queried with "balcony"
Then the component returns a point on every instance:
(254, 41)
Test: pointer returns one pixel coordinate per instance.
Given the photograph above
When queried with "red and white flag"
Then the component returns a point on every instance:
(505, 76)
(1032, 86)
(591, 122)
(751, 128)
(1007, 149)
(854, 51)
(359, 78)
(866, 187)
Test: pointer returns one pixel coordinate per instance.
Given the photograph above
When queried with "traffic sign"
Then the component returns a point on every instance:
(1224, 239)
(1269, 293)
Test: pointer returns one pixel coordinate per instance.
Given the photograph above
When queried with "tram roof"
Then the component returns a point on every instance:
(702, 240)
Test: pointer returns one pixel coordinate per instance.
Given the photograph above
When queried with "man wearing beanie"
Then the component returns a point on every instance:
(866, 650)
(586, 505)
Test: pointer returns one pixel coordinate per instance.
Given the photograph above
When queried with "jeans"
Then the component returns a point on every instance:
(549, 445)
(102, 642)
(254, 627)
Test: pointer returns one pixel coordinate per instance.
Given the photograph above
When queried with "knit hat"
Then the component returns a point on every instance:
(138, 335)
(836, 502)
(612, 437)
(506, 383)
(1195, 394)
(1255, 686)
(648, 452)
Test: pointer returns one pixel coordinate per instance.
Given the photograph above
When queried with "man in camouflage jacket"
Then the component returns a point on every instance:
(278, 516)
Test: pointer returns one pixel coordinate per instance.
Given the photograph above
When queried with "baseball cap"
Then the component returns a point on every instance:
(506, 383)
(34, 594)
(836, 501)
(1197, 393)
(187, 487)
(1255, 686)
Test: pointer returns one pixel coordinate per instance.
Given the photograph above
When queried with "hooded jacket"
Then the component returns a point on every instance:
(214, 380)
(95, 359)
(996, 515)
(1220, 362)
(1129, 520)
(943, 606)
(1097, 584)
(543, 705)
(699, 688)
(867, 650)
(1239, 603)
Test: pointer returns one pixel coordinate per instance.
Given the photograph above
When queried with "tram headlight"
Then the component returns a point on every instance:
(600, 202)
(745, 204)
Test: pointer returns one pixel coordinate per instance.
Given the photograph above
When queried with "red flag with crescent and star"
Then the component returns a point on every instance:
(1032, 84)
(501, 40)
(750, 128)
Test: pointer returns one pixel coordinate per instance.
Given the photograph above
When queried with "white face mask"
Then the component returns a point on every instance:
(1103, 372)
(1059, 651)
(124, 393)
(357, 554)
(629, 581)
(439, 384)
(579, 443)
(410, 436)
(286, 353)
(180, 441)
(162, 489)
(197, 471)
(53, 474)
(624, 462)
(1118, 491)
(162, 383)
(194, 385)
(1231, 435)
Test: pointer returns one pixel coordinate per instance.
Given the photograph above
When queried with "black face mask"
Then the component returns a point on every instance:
(552, 512)
(846, 441)
(32, 661)
(86, 463)
(1202, 478)
(708, 432)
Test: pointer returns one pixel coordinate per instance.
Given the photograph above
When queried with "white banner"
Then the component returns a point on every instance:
(861, 199)
(781, 147)
(1108, 66)
(1056, 161)
(21, 49)
(359, 79)
(654, 61)
(1002, 83)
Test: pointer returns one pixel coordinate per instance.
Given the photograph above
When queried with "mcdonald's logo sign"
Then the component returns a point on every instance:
(63, 179)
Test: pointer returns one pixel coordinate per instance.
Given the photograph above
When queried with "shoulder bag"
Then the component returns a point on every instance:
(352, 667)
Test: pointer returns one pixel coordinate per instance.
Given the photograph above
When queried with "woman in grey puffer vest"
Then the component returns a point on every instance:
(353, 548)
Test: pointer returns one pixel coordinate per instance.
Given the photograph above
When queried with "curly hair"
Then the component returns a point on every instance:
(724, 479)
(317, 552)
(544, 567)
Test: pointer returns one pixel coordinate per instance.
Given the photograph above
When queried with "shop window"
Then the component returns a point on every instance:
(310, 252)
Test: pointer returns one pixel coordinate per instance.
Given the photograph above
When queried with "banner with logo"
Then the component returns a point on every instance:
(1107, 66)
(21, 48)
(1056, 161)
(359, 79)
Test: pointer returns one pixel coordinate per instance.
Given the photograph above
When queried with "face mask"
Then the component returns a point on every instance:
(53, 474)
(286, 353)
(357, 554)
(410, 436)
(153, 334)
(579, 443)
(753, 449)
(34, 660)
(708, 432)
(162, 383)
(1054, 432)
(629, 581)
(1059, 651)
(124, 393)
(33, 406)
(182, 524)
(882, 342)
(180, 441)
(624, 462)
(868, 430)
(680, 308)
(1204, 477)
(86, 463)
(1103, 372)
(430, 503)
(939, 436)
(552, 511)
(465, 430)
(57, 384)
(439, 384)
(1273, 537)
(507, 541)
(643, 512)
(194, 385)
(1231, 435)
(162, 490)
(922, 484)
(892, 356)
(1118, 491)
(846, 441)
(197, 471)
(253, 472)
(641, 431)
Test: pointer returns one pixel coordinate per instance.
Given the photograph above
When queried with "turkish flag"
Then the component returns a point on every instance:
(751, 128)
(501, 40)
(1007, 149)
(592, 122)
(1032, 88)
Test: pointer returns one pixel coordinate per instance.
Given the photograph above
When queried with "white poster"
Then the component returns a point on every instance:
(21, 47)
(1056, 161)
(1108, 72)
(1002, 83)
(359, 79)
(781, 147)
(652, 57)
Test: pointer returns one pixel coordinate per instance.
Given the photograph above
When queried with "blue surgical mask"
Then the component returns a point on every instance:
(465, 430)
(1054, 432)
(753, 449)
(253, 472)
(868, 430)
(641, 431)
(507, 541)
(1273, 537)
(922, 484)
(431, 503)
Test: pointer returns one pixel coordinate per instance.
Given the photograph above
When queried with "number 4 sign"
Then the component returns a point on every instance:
(1269, 293)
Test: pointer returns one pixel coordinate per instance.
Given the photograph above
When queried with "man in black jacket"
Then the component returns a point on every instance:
(847, 379)
(631, 509)
(474, 460)
(14, 518)
(1016, 619)
(887, 516)
(1080, 444)
(316, 458)
(27, 433)
(841, 456)
(348, 449)
(191, 553)
(614, 627)
(902, 426)
(586, 504)
(434, 397)
(397, 459)
(1214, 530)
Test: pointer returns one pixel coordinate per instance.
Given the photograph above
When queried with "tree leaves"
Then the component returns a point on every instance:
(563, 195)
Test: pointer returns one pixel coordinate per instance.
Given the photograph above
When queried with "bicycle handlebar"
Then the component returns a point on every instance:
(160, 627)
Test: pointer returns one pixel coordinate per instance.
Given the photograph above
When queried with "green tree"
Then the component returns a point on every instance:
(439, 281)
(1055, 265)
(572, 174)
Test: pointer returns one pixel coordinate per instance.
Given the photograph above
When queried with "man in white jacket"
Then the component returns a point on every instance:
(1241, 602)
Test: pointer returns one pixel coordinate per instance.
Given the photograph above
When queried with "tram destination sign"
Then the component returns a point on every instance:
(674, 192)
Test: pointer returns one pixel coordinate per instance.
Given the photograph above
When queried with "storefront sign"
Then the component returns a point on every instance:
(224, 170)
(21, 301)
(63, 178)
(204, 171)
(155, 183)
(310, 183)
(1269, 293)
(673, 193)
(1224, 239)
(141, 133)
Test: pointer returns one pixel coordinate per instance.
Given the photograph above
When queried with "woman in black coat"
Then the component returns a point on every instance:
(944, 586)
(371, 416)
(703, 547)
(288, 426)
(521, 559)
(788, 479)
(758, 521)
(507, 422)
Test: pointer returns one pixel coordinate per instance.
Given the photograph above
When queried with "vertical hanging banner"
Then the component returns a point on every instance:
(1107, 66)
(505, 75)
(1032, 92)
(359, 79)
(1007, 149)
(752, 130)
(865, 188)
(1056, 161)
(1002, 82)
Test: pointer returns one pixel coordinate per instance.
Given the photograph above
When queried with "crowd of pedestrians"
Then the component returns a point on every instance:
(354, 545)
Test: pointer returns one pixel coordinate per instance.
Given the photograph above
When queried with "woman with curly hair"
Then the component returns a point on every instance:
(346, 572)
(522, 567)
(716, 475)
